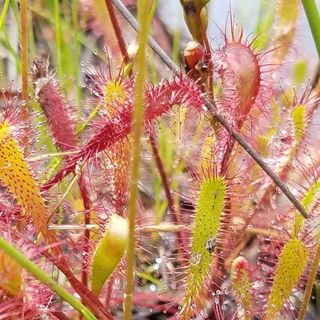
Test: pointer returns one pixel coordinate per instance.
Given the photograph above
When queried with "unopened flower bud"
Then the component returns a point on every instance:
(193, 54)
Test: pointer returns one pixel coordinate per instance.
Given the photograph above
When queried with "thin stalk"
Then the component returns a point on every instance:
(45, 278)
(24, 56)
(117, 31)
(87, 220)
(161, 227)
(58, 37)
(77, 48)
(163, 176)
(309, 285)
(313, 17)
(4, 13)
(138, 120)
(90, 299)
(213, 115)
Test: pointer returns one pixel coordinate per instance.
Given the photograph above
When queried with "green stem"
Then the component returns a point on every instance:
(58, 37)
(4, 13)
(313, 17)
(138, 118)
(77, 49)
(24, 56)
(44, 278)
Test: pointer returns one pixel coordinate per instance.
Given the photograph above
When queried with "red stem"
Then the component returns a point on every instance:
(167, 190)
(87, 218)
(87, 296)
(59, 315)
(117, 31)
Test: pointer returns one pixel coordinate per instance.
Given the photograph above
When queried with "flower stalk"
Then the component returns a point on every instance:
(24, 55)
(138, 119)
(313, 17)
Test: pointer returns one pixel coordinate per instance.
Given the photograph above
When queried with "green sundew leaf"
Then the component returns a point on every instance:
(299, 122)
(307, 201)
(208, 213)
(292, 262)
(300, 71)
(311, 194)
(113, 92)
(263, 142)
(109, 251)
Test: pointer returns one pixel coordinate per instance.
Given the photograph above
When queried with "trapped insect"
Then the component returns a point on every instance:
(211, 244)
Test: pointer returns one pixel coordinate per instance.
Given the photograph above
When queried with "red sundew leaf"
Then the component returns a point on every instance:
(160, 99)
(240, 71)
(51, 101)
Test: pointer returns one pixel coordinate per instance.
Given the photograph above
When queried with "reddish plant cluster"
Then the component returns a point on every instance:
(220, 241)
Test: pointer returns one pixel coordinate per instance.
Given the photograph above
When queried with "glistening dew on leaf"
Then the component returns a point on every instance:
(292, 262)
(208, 213)
(15, 175)
(241, 282)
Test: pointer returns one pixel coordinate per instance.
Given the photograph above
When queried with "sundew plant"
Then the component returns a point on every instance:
(147, 177)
